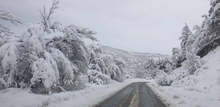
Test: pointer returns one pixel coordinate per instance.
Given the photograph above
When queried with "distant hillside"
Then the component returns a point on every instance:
(134, 61)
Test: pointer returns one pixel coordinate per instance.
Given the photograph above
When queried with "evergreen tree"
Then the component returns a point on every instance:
(192, 63)
(186, 33)
(214, 14)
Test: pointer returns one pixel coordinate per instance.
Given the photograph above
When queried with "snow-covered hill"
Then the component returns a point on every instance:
(134, 61)
(200, 89)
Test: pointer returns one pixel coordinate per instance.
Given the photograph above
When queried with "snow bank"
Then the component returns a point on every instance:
(198, 90)
(15, 97)
(91, 96)
(87, 97)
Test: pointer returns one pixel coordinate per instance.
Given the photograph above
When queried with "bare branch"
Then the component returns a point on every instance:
(7, 16)
(53, 8)
(46, 15)
(5, 30)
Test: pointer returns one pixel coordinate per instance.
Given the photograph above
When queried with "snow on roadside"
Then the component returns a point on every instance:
(160, 93)
(202, 89)
(14, 97)
(83, 98)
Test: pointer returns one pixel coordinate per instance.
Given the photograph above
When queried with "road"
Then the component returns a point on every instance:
(134, 95)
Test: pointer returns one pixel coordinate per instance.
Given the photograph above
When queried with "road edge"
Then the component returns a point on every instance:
(159, 93)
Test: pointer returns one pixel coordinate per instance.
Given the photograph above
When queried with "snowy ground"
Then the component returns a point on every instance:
(199, 90)
(82, 98)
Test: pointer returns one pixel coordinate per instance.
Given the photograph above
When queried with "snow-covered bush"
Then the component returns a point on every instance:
(186, 34)
(177, 57)
(150, 67)
(16, 59)
(3, 84)
(189, 80)
(98, 78)
(42, 63)
(164, 64)
(49, 57)
(8, 60)
(73, 49)
(105, 64)
(66, 56)
(68, 72)
(17, 56)
(163, 79)
(181, 76)
(192, 63)
(153, 66)
(29, 50)
(120, 63)
(101, 71)
(45, 75)
(113, 70)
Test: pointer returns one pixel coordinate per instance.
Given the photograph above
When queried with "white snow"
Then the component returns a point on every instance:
(9, 59)
(199, 90)
(44, 70)
(14, 97)
(83, 98)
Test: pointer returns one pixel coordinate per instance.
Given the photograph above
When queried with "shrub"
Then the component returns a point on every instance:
(98, 78)
(192, 63)
(163, 79)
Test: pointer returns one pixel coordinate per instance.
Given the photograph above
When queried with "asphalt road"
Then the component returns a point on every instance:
(134, 95)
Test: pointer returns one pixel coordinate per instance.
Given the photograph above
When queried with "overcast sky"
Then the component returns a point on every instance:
(134, 25)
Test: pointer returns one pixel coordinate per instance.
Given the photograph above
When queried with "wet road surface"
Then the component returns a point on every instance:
(134, 95)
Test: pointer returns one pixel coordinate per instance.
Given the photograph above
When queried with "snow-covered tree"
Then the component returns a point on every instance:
(3, 85)
(68, 72)
(208, 33)
(201, 37)
(80, 32)
(49, 57)
(5, 32)
(214, 15)
(8, 63)
(27, 54)
(164, 64)
(47, 14)
(212, 22)
(98, 78)
(16, 59)
(186, 33)
(7, 16)
(73, 49)
(177, 57)
(151, 68)
(45, 74)
(163, 79)
(192, 63)
(107, 65)
(158, 64)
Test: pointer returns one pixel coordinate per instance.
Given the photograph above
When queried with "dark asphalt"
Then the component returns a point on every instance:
(134, 95)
